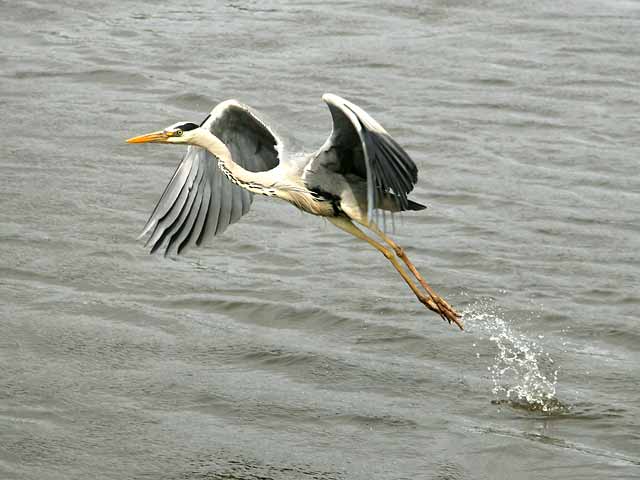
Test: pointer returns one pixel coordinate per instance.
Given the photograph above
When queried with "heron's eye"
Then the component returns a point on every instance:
(178, 133)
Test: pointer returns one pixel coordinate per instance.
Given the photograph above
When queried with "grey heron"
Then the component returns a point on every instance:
(357, 173)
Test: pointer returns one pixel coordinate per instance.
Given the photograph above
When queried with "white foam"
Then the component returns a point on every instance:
(522, 371)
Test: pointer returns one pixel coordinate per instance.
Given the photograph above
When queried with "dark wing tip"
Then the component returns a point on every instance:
(393, 169)
(416, 206)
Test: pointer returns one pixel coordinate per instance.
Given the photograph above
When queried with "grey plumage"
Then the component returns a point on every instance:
(365, 149)
(359, 171)
(200, 201)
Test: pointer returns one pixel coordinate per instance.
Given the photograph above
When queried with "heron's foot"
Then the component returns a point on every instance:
(433, 301)
(448, 312)
(438, 305)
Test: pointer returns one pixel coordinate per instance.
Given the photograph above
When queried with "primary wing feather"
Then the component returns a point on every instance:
(364, 148)
(200, 202)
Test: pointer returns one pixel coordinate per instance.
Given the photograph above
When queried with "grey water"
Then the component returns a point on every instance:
(285, 349)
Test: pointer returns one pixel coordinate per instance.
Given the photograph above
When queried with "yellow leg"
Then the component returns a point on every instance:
(445, 310)
(431, 303)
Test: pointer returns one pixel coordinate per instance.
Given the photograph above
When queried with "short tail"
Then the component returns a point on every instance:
(415, 205)
(391, 203)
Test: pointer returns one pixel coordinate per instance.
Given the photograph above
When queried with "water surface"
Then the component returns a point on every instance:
(285, 349)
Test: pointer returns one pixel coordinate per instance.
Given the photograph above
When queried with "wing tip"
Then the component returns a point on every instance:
(332, 98)
(415, 205)
(219, 109)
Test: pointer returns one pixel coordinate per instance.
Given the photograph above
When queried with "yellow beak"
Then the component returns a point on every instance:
(158, 137)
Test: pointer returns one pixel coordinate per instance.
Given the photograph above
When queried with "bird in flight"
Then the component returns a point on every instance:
(359, 173)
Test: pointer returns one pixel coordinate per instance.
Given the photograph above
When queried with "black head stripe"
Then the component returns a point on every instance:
(203, 122)
(185, 127)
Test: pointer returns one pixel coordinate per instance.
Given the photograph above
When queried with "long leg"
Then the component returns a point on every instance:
(445, 310)
(346, 225)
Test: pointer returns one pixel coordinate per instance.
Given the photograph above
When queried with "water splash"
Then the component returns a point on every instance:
(523, 373)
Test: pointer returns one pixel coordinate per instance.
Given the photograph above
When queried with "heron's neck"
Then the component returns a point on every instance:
(255, 182)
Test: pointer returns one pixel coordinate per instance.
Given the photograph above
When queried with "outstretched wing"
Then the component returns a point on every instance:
(200, 202)
(363, 148)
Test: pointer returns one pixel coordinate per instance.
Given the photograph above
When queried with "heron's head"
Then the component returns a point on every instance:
(181, 132)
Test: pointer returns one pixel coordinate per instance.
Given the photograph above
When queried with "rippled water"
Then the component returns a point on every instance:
(284, 349)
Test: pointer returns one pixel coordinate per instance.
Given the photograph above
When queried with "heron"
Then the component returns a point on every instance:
(358, 173)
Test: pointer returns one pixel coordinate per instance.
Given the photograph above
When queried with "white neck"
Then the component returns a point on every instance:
(255, 182)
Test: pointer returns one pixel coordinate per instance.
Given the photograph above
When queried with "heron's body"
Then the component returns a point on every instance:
(359, 171)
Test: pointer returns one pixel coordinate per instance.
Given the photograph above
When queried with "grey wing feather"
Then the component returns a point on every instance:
(364, 148)
(200, 202)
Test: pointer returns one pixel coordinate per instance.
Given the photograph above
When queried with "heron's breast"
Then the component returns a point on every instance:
(327, 201)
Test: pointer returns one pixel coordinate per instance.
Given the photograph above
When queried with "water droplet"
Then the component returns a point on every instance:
(520, 369)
